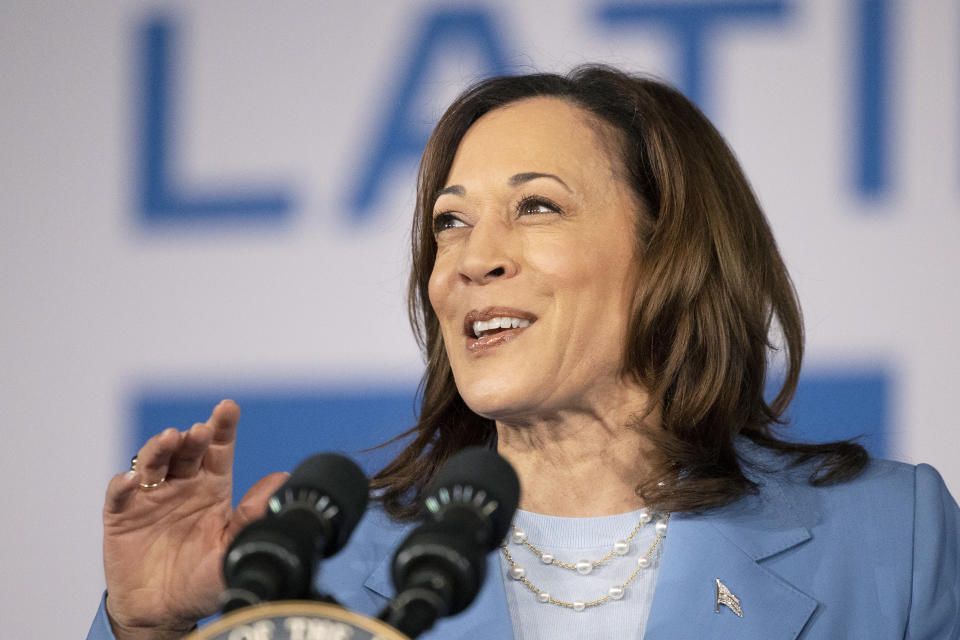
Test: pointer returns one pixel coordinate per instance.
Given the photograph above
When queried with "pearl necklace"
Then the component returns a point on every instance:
(584, 567)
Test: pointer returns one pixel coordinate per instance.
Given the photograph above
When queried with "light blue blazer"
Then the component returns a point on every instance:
(874, 558)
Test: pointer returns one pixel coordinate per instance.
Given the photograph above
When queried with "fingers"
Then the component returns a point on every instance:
(254, 502)
(121, 489)
(153, 459)
(223, 426)
(224, 420)
(172, 454)
(186, 460)
(152, 462)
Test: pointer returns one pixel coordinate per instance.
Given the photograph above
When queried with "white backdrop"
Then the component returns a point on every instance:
(127, 280)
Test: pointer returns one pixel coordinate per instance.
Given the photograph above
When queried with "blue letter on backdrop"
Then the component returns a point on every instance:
(871, 144)
(692, 23)
(829, 405)
(160, 199)
(404, 132)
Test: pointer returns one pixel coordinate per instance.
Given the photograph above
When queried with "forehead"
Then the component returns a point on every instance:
(536, 134)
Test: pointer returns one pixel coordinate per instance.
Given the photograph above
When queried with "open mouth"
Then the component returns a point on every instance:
(484, 328)
(494, 326)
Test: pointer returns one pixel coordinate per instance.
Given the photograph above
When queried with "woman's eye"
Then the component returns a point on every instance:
(443, 221)
(533, 206)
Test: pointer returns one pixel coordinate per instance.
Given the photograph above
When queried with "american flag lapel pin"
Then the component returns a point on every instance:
(726, 598)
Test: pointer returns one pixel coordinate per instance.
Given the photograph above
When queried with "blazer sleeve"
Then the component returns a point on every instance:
(935, 594)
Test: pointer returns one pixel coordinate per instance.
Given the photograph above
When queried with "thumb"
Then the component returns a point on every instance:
(254, 503)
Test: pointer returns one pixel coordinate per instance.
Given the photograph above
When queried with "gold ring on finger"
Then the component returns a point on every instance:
(145, 485)
(152, 485)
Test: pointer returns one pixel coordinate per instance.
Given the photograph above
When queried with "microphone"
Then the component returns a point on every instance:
(309, 518)
(439, 568)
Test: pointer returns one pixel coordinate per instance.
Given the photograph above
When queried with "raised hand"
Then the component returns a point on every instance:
(167, 524)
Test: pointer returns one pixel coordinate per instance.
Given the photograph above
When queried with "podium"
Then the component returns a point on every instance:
(296, 620)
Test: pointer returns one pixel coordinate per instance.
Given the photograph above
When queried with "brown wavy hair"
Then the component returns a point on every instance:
(712, 288)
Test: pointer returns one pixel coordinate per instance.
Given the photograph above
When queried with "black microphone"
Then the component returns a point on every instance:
(309, 518)
(439, 568)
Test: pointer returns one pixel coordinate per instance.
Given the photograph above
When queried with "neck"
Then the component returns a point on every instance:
(578, 465)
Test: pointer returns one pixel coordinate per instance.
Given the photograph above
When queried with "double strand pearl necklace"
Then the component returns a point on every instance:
(584, 567)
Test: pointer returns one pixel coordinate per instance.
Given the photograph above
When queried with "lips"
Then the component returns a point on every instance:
(493, 326)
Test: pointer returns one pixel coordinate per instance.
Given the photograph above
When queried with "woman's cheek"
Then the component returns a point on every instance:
(436, 287)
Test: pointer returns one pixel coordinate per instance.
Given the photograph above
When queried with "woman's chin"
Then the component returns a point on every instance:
(500, 403)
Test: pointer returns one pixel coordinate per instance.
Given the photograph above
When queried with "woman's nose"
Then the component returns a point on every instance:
(489, 254)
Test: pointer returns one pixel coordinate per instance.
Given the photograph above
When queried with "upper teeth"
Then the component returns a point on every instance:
(498, 323)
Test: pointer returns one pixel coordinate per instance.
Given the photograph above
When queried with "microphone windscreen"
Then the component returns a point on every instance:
(342, 481)
(483, 469)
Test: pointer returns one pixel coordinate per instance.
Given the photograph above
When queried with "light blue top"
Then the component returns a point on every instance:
(570, 540)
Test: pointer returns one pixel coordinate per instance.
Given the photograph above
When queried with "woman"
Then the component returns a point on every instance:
(593, 285)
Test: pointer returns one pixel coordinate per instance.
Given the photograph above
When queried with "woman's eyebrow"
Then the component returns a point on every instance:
(455, 189)
(520, 178)
(515, 180)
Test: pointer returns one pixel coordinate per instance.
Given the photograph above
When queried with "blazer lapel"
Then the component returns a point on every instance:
(486, 617)
(729, 544)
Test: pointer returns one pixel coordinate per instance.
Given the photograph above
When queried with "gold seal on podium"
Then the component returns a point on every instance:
(296, 620)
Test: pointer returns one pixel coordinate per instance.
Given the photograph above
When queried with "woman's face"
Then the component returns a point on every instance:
(533, 278)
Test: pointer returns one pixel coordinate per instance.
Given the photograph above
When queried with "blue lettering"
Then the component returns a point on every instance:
(693, 24)
(871, 144)
(347, 420)
(160, 198)
(830, 404)
(840, 403)
(404, 132)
